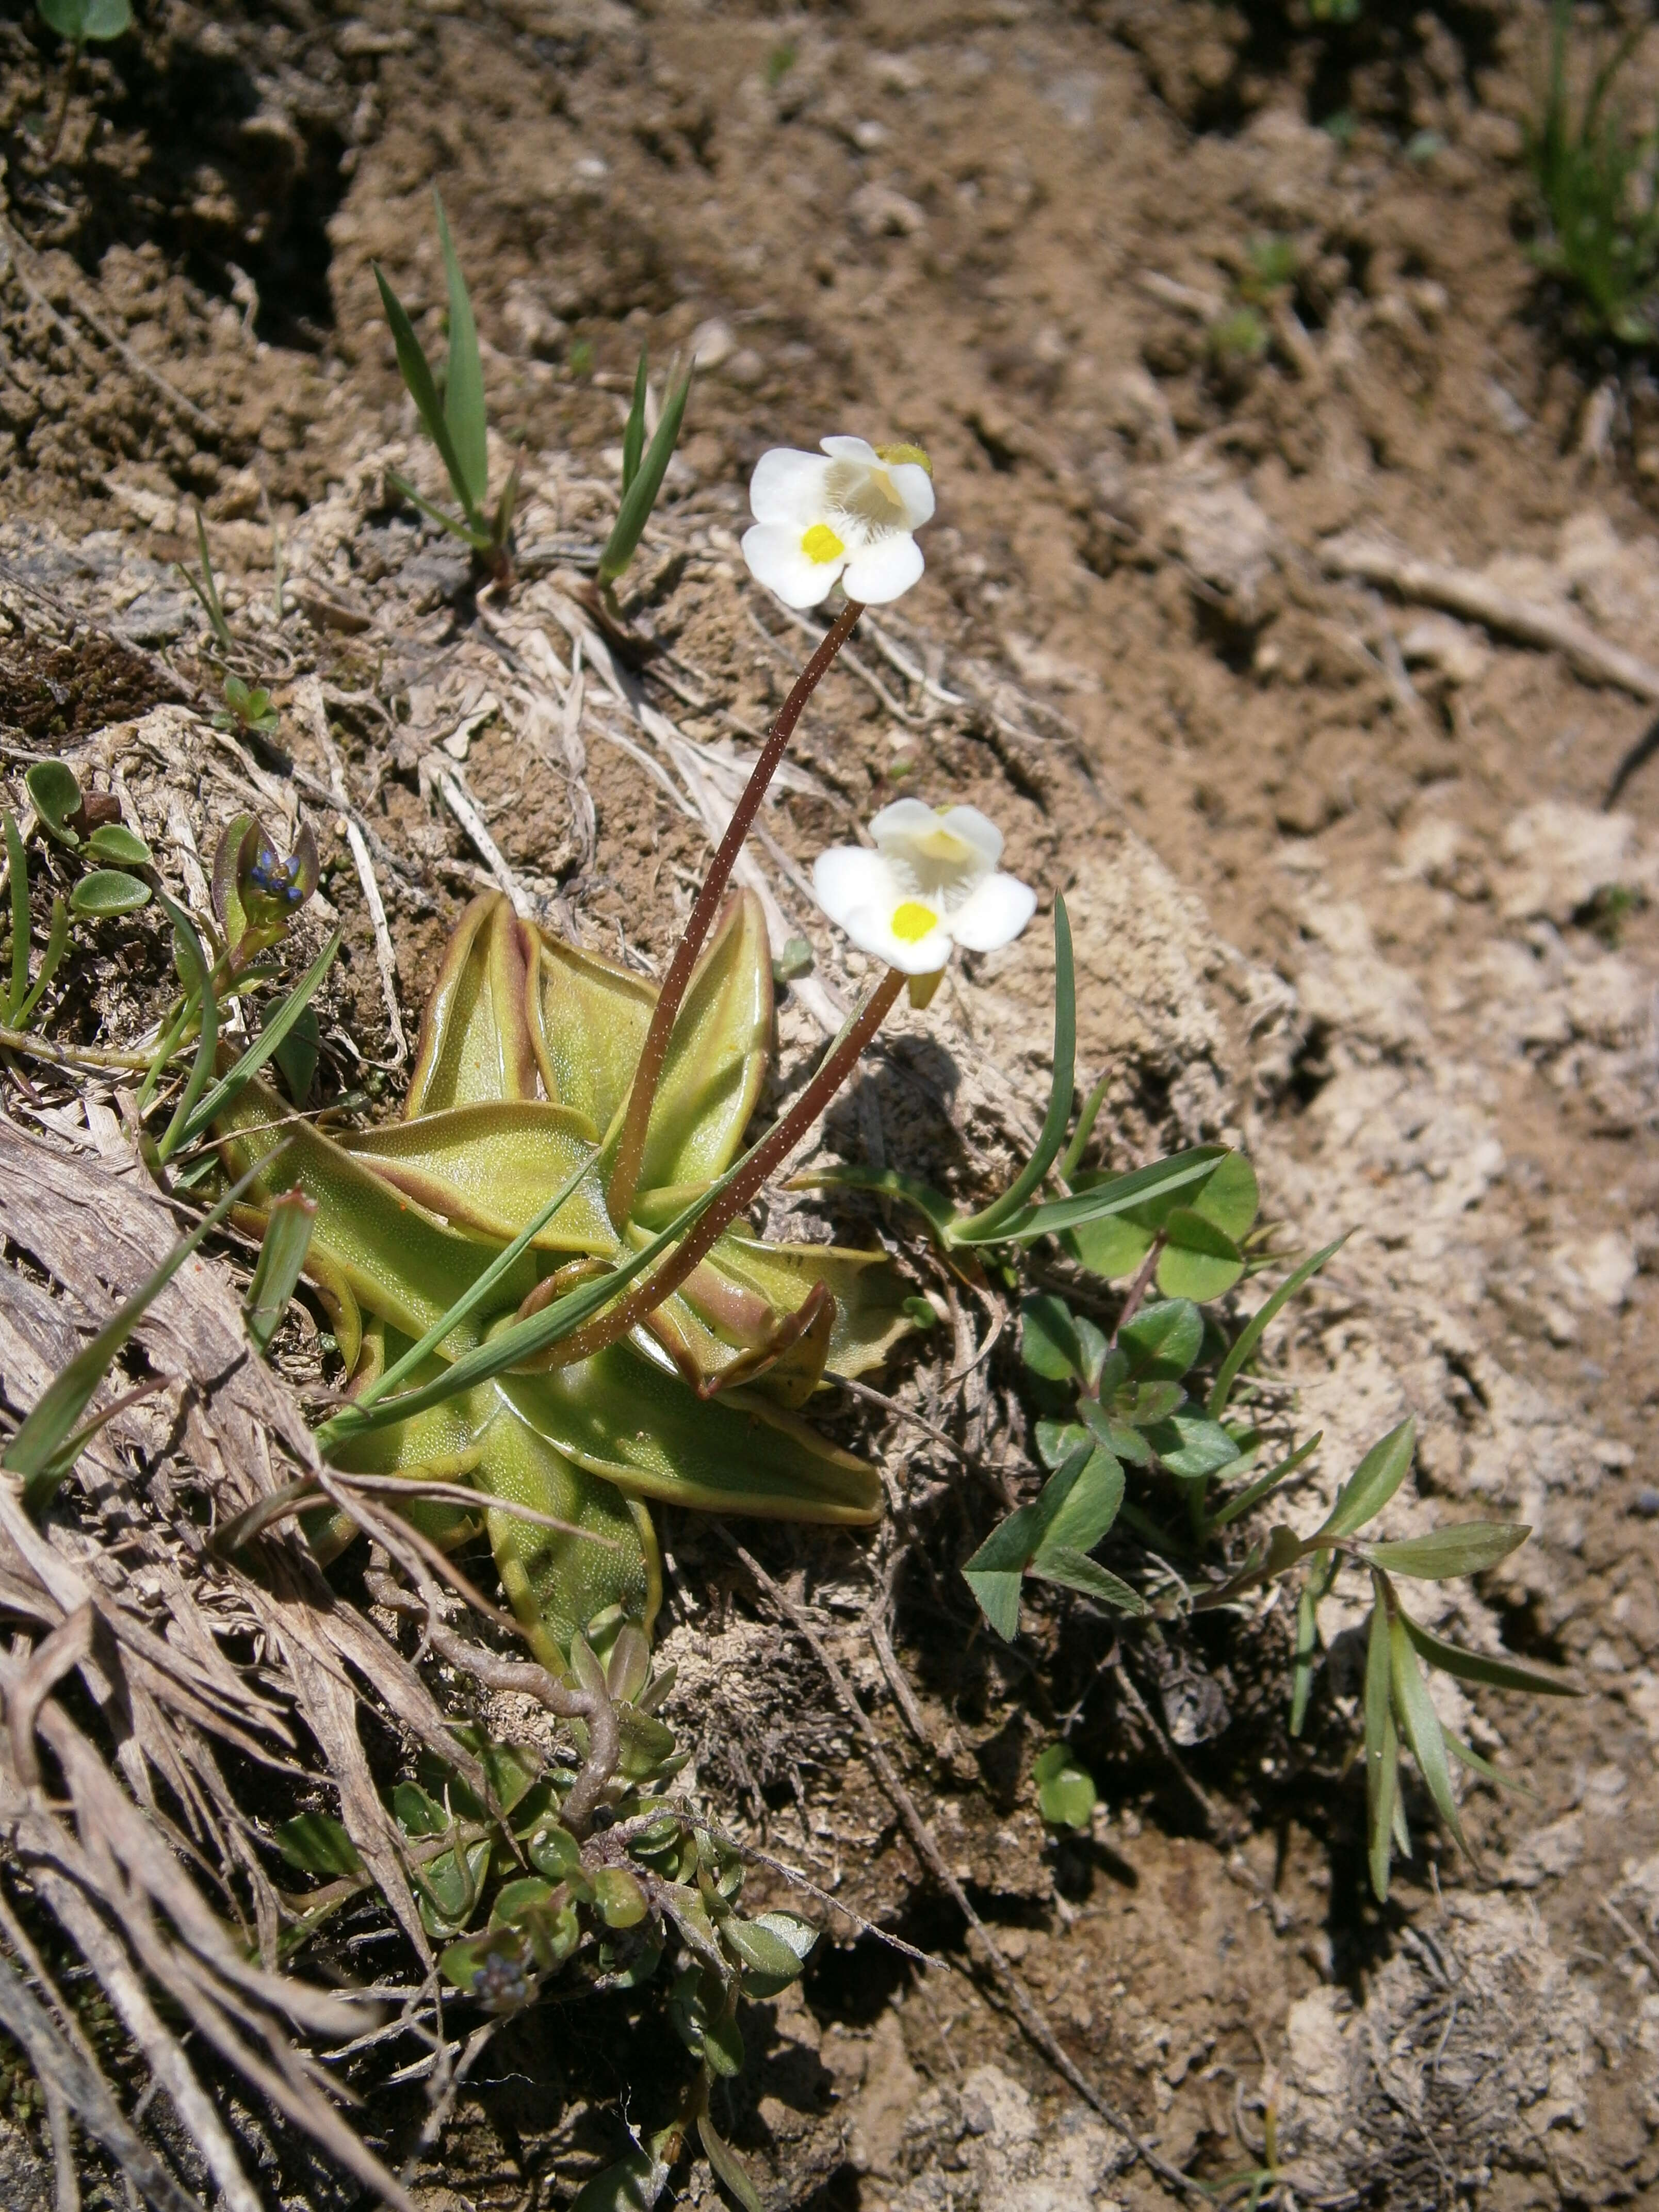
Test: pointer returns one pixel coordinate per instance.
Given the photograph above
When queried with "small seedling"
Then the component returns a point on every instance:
(78, 22)
(457, 424)
(643, 470)
(248, 709)
(206, 588)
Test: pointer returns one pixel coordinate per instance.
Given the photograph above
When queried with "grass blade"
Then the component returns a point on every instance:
(57, 946)
(980, 1225)
(1116, 1195)
(634, 434)
(282, 1256)
(1257, 1326)
(36, 1452)
(641, 495)
(1302, 1664)
(463, 391)
(416, 372)
(18, 867)
(1072, 1157)
(207, 590)
(1476, 1667)
(1266, 1484)
(207, 1042)
(457, 524)
(231, 1085)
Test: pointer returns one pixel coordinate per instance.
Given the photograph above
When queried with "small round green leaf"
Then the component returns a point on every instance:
(114, 840)
(1199, 1261)
(55, 795)
(1112, 1248)
(1231, 1198)
(620, 1899)
(108, 891)
(1066, 1790)
(1162, 1341)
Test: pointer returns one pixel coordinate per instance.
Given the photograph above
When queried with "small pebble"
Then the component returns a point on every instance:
(1646, 1503)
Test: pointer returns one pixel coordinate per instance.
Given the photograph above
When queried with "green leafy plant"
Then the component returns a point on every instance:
(79, 22)
(523, 1895)
(643, 470)
(206, 588)
(457, 423)
(1065, 1790)
(1596, 181)
(246, 708)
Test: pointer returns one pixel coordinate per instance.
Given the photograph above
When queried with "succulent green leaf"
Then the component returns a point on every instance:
(416, 1813)
(55, 794)
(476, 1044)
(716, 1058)
(463, 391)
(1374, 1481)
(618, 1898)
(1199, 1260)
(1467, 1549)
(1254, 1329)
(870, 1308)
(589, 1019)
(791, 1939)
(489, 1168)
(114, 842)
(106, 892)
(1065, 1790)
(316, 1842)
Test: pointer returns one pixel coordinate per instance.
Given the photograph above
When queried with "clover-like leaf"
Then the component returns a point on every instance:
(1162, 1341)
(1199, 1260)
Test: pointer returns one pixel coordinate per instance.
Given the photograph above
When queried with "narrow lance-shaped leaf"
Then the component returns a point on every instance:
(36, 1452)
(1115, 1195)
(1477, 1667)
(1307, 1627)
(979, 1227)
(416, 372)
(1419, 1724)
(1382, 1747)
(1265, 1484)
(1374, 1482)
(236, 1079)
(200, 986)
(282, 1256)
(50, 960)
(1468, 1549)
(17, 868)
(641, 495)
(463, 391)
(1254, 1329)
(633, 446)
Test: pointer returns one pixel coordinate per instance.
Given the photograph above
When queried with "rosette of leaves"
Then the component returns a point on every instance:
(518, 1904)
(526, 1058)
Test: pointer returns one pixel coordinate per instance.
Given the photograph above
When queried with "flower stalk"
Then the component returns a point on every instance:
(833, 1071)
(630, 1145)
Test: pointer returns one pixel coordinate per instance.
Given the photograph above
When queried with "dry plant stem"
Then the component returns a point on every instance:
(926, 1844)
(772, 1148)
(563, 1699)
(630, 1146)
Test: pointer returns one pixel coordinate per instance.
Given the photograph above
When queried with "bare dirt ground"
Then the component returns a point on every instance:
(1345, 884)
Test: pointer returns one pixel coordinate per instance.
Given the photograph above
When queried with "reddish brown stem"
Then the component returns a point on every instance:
(630, 1145)
(837, 1064)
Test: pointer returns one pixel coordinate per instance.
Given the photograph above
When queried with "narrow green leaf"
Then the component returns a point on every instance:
(50, 960)
(316, 1842)
(634, 434)
(1071, 1159)
(1379, 1730)
(726, 2163)
(114, 840)
(1066, 1788)
(1076, 1570)
(1420, 1725)
(1254, 1329)
(642, 493)
(471, 533)
(209, 591)
(275, 1029)
(106, 892)
(1265, 1484)
(199, 986)
(1466, 1755)
(1385, 1824)
(1467, 1549)
(1374, 1482)
(1307, 1640)
(17, 870)
(282, 1256)
(980, 1226)
(416, 372)
(1476, 1667)
(463, 391)
(887, 1183)
(36, 1452)
(1116, 1194)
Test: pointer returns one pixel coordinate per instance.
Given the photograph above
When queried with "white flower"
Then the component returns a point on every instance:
(849, 515)
(931, 882)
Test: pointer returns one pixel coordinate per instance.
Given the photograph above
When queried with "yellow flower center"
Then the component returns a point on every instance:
(821, 543)
(912, 922)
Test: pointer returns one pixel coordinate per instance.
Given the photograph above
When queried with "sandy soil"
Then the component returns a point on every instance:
(1344, 880)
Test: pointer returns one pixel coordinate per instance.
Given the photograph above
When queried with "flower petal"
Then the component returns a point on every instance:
(852, 449)
(884, 571)
(788, 487)
(974, 829)
(774, 553)
(846, 877)
(895, 827)
(870, 929)
(915, 488)
(994, 915)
